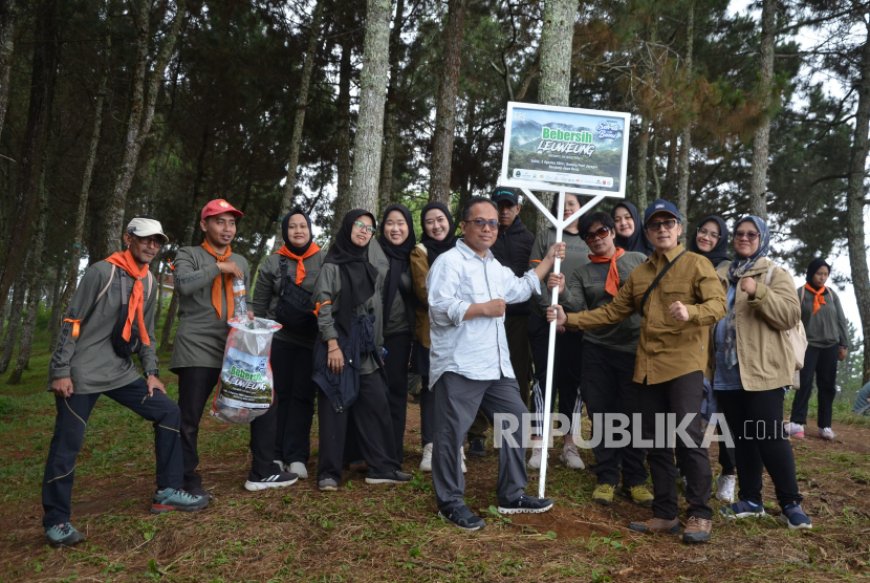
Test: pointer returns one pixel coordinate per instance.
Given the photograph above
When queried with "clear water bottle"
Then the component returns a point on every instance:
(239, 298)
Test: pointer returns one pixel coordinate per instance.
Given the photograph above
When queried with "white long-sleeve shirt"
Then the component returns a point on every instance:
(477, 348)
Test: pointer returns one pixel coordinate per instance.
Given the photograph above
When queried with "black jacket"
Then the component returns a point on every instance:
(513, 248)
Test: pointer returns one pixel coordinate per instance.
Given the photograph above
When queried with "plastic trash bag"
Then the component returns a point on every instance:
(246, 388)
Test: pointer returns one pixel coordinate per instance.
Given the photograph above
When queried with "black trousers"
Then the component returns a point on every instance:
(755, 421)
(70, 423)
(195, 385)
(373, 426)
(681, 397)
(295, 394)
(396, 368)
(726, 454)
(567, 364)
(821, 363)
(608, 388)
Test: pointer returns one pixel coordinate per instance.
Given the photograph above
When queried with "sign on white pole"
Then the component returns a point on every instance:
(563, 149)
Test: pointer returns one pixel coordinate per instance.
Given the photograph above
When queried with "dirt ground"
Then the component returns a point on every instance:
(368, 533)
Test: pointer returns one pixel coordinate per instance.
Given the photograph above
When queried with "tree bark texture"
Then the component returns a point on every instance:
(390, 133)
(370, 124)
(445, 107)
(26, 204)
(343, 165)
(7, 47)
(14, 324)
(856, 202)
(640, 191)
(142, 103)
(557, 39)
(299, 117)
(761, 141)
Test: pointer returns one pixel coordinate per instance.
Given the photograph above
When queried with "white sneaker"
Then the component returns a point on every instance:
(725, 489)
(570, 457)
(795, 430)
(462, 459)
(426, 462)
(299, 469)
(534, 462)
(827, 433)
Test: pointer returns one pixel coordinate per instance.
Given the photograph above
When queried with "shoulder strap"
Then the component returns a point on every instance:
(769, 276)
(656, 281)
(283, 266)
(108, 283)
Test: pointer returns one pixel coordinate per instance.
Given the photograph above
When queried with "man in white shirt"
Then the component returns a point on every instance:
(470, 365)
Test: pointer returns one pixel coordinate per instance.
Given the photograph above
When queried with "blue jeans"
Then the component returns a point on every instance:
(69, 434)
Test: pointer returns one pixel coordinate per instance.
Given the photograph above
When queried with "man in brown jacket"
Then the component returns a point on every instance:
(677, 310)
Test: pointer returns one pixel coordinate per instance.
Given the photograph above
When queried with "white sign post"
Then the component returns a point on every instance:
(568, 150)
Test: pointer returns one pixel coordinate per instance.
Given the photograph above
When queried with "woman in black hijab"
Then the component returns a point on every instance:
(397, 240)
(711, 239)
(629, 229)
(348, 357)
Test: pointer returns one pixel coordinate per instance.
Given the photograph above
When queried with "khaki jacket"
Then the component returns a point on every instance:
(764, 354)
(419, 273)
(667, 349)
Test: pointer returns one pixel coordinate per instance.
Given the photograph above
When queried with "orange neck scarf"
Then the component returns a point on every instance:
(611, 286)
(819, 300)
(226, 279)
(300, 266)
(136, 305)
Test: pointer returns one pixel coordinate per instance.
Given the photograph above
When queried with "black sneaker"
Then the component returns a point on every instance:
(462, 517)
(394, 477)
(476, 448)
(526, 505)
(276, 480)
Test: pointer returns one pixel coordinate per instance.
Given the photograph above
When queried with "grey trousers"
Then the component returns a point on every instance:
(457, 400)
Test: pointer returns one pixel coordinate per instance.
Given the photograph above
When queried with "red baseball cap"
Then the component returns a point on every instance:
(219, 206)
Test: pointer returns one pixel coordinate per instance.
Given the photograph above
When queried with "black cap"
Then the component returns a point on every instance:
(507, 194)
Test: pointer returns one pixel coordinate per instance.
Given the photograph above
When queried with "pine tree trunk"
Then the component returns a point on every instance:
(22, 362)
(14, 324)
(445, 108)
(142, 104)
(77, 236)
(557, 38)
(761, 141)
(855, 205)
(299, 118)
(26, 197)
(684, 168)
(390, 134)
(370, 122)
(7, 47)
(343, 166)
(640, 191)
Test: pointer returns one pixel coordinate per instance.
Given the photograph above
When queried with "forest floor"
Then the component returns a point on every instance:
(377, 533)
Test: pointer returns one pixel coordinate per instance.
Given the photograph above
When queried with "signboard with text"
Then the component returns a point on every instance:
(565, 149)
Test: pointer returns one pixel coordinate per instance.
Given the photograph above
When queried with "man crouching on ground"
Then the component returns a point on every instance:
(470, 362)
(111, 316)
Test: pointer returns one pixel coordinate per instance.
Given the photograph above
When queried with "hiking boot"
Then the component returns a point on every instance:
(63, 535)
(279, 479)
(476, 447)
(526, 505)
(394, 477)
(725, 487)
(656, 526)
(537, 451)
(827, 433)
(570, 457)
(742, 509)
(794, 516)
(639, 494)
(603, 494)
(327, 485)
(795, 430)
(169, 499)
(426, 462)
(462, 517)
(299, 469)
(697, 530)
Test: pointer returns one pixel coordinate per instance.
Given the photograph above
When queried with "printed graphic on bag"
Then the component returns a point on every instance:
(245, 380)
